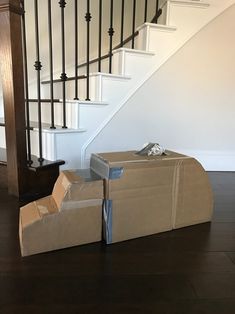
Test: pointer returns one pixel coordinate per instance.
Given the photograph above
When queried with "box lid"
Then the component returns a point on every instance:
(111, 165)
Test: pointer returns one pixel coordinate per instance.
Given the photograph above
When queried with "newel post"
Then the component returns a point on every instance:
(12, 77)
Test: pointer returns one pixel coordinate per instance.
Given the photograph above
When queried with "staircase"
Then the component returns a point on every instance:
(109, 92)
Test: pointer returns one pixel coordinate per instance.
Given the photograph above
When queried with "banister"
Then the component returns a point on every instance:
(11, 65)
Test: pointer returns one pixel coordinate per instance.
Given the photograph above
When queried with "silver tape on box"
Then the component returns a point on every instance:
(108, 220)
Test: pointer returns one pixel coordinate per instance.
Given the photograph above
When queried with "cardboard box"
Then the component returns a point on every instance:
(147, 195)
(71, 216)
(78, 185)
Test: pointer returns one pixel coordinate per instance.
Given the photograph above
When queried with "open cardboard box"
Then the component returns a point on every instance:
(71, 216)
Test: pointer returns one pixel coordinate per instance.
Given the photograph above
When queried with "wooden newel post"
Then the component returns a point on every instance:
(12, 77)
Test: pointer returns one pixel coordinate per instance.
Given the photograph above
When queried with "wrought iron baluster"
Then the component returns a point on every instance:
(111, 32)
(26, 86)
(63, 75)
(133, 25)
(100, 34)
(38, 67)
(76, 47)
(157, 8)
(145, 11)
(88, 20)
(122, 22)
(51, 66)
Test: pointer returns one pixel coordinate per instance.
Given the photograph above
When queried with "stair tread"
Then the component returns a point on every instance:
(136, 51)
(161, 27)
(191, 3)
(87, 102)
(59, 129)
(124, 77)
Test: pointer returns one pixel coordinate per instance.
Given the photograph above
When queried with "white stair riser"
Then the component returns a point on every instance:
(157, 40)
(131, 64)
(187, 18)
(96, 92)
(72, 114)
(59, 145)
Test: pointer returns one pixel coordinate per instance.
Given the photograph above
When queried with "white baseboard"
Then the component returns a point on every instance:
(212, 160)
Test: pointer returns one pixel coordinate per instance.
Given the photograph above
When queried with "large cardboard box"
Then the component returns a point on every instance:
(147, 195)
(71, 216)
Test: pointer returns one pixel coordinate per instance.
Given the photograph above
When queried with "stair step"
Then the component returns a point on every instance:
(194, 3)
(59, 129)
(150, 35)
(45, 164)
(72, 112)
(160, 27)
(88, 103)
(133, 62)
(135, 51)
(188, 14)
(114, 76)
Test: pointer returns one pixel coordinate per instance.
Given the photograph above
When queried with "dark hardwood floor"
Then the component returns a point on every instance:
(186, 271)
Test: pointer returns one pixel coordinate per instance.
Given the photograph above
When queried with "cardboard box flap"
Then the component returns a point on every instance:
(77, 185)
(61, 187)
(29, 214)
(37, 210)
(46, 206)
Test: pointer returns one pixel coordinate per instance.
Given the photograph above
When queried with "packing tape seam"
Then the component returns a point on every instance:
(175, 191)
(107, 212)
(150, 160)
(80, 204)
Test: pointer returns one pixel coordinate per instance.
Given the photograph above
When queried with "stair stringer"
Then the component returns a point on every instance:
(217, 9)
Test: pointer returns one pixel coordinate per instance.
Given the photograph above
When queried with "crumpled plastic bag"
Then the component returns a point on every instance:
(152, 149)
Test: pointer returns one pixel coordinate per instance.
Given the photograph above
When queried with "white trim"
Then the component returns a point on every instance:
(198, 4)
(114, 76)
(160, 27)
(87, 102)
(212, 160)
(134, 51)
(60, 131)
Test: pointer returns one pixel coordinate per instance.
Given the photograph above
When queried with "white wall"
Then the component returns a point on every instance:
(188, 105)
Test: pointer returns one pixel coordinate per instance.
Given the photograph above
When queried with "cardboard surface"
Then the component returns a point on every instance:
(153, 194)
(71, 216)
(77, 186)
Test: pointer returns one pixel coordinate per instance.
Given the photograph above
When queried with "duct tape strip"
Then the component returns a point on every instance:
(175, 191)
(108, 220)
(115, 173)
(102, 168)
